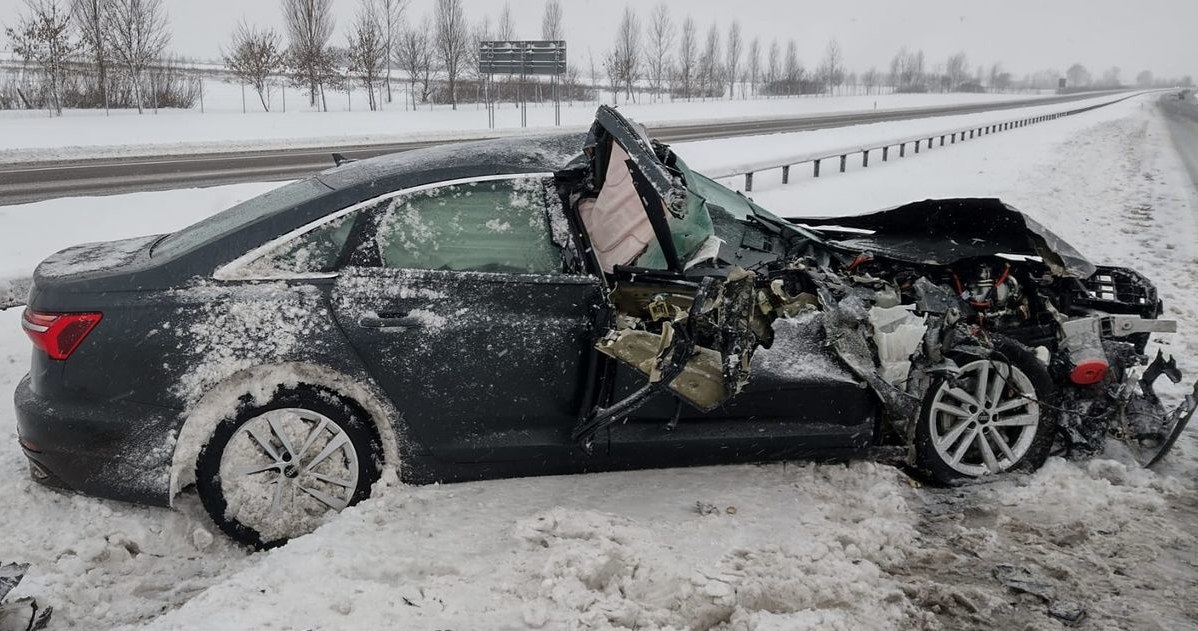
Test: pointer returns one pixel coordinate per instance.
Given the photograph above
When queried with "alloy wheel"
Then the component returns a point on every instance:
(985, 420)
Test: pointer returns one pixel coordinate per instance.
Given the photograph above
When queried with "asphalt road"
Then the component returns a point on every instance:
(22, 183)
(1182, 115)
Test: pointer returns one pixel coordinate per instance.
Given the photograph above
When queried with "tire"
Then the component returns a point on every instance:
(261, 493)
(951, 447)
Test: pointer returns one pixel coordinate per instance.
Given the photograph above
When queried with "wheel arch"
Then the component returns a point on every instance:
(259, 384)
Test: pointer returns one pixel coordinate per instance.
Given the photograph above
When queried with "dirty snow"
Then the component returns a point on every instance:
(791, 546)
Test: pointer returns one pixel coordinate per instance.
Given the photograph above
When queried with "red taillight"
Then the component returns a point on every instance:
(59, 334)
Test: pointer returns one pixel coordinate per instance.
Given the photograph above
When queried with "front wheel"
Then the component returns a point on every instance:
(274, 472)
(991, 418)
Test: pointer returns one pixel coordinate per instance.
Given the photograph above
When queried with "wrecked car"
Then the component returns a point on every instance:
(564, 304)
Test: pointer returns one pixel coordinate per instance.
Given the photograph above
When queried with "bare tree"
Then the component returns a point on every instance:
(831, 68)
(1077, 76)
(732, 63)
(871, 79)
(627, 50)
(999, 80)
(793, 70)
(907, 70)
(594, 76)
(754, 65)
(1145, 79)
(551, 21)
(470, 66)
(390, 13)
(451, 37)
(1110, 77)
(367, 51)
(43, 38)
(309, 26)
(688, 46)
(957, 70)
(254, 55)
(612, 69)
(661, 41)
(505, 28)
(773, 64)
(710, 78)
(414, 55)
(89, 16)
(137, 36)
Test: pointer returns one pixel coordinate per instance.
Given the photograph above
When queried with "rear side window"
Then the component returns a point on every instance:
(316, 252)
(489, 226)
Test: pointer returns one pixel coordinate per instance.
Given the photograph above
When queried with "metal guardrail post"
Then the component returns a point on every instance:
(816, 173)
(749, 182)
(843, 159)
(786, 174)
(917, 145)
(885, 153)
(902, 150)
(865, 158)
(942, 140)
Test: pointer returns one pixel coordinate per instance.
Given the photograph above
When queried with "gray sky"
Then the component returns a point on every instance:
(1025, 35)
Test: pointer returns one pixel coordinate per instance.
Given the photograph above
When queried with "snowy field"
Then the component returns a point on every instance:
(30, 135)
(795, 546)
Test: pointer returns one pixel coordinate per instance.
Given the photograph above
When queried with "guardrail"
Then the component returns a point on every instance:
(925, 141)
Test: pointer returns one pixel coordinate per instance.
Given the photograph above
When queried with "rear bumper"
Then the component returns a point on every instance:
(113, 449)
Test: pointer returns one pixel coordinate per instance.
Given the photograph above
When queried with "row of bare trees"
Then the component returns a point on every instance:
(382, 38)
(118, 45)
(671, 58)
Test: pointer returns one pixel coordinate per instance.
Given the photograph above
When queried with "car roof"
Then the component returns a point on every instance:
(516, 154)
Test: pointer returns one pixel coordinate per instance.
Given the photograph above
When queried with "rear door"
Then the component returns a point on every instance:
(466, 303)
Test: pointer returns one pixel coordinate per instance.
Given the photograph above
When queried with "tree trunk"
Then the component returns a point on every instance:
(136, 76)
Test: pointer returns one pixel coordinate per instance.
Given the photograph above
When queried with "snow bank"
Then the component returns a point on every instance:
(804, 547)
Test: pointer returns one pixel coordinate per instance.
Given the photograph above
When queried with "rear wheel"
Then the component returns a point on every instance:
(989, 419)
(270, 473)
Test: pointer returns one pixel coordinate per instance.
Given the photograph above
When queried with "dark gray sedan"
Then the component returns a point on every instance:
(565, 304)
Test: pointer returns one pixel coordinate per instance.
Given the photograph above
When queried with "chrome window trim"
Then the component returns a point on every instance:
(234, 270)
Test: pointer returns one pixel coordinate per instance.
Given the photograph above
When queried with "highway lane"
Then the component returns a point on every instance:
(22, 183)
(1182, 115)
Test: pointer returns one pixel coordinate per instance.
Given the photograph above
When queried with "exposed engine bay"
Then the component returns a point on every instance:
(921, 303)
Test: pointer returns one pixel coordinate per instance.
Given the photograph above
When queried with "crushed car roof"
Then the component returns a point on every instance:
(518, 154)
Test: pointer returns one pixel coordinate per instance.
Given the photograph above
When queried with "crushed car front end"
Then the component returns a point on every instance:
(1036, 349)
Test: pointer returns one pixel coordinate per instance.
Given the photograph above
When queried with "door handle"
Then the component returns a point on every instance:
(390, 321)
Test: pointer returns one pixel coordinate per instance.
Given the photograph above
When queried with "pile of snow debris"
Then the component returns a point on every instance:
(22, 614)
(13, 292)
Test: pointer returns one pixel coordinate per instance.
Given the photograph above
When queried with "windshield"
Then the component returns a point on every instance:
(240, 216)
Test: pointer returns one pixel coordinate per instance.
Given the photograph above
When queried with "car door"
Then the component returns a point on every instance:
(463, 300)
(798, 402)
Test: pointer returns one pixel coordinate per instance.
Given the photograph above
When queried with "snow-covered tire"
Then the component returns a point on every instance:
(967, 431)
(273, 472)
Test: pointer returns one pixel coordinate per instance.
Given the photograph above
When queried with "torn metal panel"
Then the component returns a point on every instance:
(947, 231)
(701, 382)
(22, 614)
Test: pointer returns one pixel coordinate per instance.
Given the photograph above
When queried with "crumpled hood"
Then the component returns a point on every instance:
(944, 231)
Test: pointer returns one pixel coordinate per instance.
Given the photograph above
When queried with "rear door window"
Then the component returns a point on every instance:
(487, 226)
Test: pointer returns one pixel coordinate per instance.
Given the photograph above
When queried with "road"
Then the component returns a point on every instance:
(23, 183)
(1182, 115)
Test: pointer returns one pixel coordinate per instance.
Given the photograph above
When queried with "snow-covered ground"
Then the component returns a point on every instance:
(27, 136)
(796, 546)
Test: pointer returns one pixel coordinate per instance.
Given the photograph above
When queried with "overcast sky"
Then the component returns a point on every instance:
(1025, 35)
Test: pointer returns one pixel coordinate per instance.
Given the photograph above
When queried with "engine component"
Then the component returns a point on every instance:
(1083, 341)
